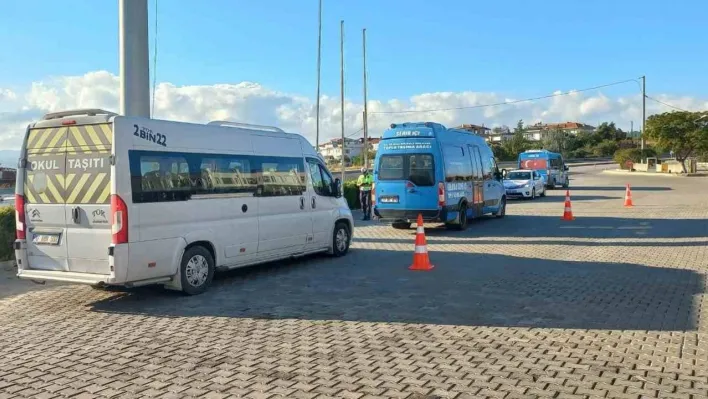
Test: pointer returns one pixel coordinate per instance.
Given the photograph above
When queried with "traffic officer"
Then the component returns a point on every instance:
(365, 183)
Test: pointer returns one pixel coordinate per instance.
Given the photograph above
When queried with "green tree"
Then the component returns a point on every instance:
(518, 142)
(608, 131)
(587, 139)
(500, 152)
(683, 132)
(555, 140)
(605, 148)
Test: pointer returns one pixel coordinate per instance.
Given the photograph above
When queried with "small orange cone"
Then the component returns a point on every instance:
(628, 198)
(568, 212)
(420, 256)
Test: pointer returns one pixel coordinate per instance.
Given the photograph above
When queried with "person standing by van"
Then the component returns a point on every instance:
(365, 182)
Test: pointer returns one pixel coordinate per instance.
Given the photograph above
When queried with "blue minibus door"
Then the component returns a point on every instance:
(477, 181)
(406, 185)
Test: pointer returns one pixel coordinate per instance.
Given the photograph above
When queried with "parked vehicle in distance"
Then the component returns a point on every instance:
(103, 199)
(447, 175)
(524, 183)
(549, 164)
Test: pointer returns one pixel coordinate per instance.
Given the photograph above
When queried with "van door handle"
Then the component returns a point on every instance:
(75, 215)
(302, 202)
(314, 205)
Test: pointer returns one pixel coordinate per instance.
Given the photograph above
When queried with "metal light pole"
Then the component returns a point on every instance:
(319, 64)
(644, 109)
(134, 58)
(341, 77)
(366, 114)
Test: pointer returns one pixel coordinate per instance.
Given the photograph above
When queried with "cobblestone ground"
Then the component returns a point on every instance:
(612, 304)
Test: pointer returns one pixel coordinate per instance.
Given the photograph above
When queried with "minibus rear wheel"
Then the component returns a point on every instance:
(197, 270)
(401, 225)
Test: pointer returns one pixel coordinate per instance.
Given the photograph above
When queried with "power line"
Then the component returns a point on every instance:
(358, 131)
(506, 102)
(668, 105)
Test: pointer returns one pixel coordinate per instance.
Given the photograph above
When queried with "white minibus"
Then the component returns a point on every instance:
(106, 200)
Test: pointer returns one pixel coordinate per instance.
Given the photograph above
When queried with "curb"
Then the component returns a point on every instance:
(651, 174)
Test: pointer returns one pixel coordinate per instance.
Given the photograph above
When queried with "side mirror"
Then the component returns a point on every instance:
(566, 168)
(337, 188)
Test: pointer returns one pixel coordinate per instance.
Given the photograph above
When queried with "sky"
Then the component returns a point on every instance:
(255, 61)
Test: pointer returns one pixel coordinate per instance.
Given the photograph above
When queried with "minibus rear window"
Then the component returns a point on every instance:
(416, 168)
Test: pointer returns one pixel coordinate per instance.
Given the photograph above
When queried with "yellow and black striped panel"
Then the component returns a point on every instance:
(69, 165)
(88, 139)
(47, 141)
(88, 178)
(70, 139)
(43, 182)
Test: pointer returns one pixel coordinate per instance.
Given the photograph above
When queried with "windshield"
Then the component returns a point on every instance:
(519, 176)
(417, 168)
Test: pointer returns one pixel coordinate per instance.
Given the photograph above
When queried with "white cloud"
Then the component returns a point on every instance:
(252, 103)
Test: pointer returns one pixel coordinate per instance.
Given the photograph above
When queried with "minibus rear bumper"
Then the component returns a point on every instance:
(411, 215)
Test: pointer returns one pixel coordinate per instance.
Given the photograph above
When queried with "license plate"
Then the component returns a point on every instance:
(46, 239)
(389, 200)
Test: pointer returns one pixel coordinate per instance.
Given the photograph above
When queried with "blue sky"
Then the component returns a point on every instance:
(517, 47)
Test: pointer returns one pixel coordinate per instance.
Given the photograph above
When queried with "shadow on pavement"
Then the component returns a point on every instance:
(10, 285)
(531, 226)
(551, 197)
(619, 188)
(464, 289)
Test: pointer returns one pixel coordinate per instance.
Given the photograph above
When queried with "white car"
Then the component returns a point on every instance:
(524, 183)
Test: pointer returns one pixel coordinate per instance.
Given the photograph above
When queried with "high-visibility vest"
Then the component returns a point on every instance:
(365, 182)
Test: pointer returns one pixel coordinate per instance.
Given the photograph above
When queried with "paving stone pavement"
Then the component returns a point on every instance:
(610, 305)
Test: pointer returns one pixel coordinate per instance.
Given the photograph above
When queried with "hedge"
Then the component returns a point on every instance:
(7, 233)
(351, 193)
(632, 154)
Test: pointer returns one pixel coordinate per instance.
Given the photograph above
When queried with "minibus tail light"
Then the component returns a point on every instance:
(119, 218)
(20, 231)
(441, 194)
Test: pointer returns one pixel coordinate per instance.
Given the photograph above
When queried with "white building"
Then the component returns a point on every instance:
(333, 148)
(539, 131)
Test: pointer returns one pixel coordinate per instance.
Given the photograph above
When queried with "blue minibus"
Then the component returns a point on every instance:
(549, 165)
(447, 175)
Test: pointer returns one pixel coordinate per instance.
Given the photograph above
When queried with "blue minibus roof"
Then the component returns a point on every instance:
(413, 130)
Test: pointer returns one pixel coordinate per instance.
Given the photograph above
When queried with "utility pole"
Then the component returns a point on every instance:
(644, 109)
(366, 114)
(631, 130)
(341, 88)
(134, 58)
(319, 65)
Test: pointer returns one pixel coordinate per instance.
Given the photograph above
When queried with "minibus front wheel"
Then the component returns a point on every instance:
(502, 208)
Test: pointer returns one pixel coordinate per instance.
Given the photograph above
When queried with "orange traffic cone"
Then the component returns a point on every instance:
(568, 212)
(628, 197)
(420, 256)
